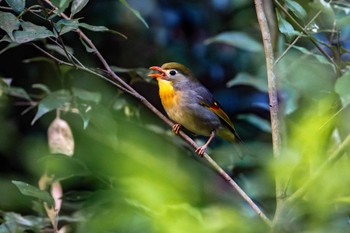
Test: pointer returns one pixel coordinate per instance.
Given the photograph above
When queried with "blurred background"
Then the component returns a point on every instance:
(129, 173)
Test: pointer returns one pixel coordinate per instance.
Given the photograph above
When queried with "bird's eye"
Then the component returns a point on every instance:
(172, 72)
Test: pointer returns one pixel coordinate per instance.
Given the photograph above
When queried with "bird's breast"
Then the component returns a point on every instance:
(169, 97)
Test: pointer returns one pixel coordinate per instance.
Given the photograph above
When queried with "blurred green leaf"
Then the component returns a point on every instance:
(134, 73)
(262, 124)
(85, 98)
(61, 5)
(342, 86)
(247, 79)
(237, 39)
(59, 49)
(63, 167)
(78, 5)
(13, 91)
(16, 5)
(320, 58)
(9, 23)
(135, 12)
(38, 59)
(285, 27)
(54, 100)
(31, 32)
(85, 95)
(87, 47)
(32, 191)
(296, 8)
(41, 87)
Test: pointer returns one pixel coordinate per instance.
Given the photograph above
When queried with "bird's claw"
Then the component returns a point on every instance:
(200, 150)
(176, 128)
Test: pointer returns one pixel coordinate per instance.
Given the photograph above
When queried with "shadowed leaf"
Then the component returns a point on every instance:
(32, 191)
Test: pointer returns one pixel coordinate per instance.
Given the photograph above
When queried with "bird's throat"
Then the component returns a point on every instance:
(167, 93)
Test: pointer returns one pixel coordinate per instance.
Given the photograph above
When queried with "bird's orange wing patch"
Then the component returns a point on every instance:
(218, 111)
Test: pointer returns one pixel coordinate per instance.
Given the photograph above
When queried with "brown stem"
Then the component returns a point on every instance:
(110, 72)
(276, 122)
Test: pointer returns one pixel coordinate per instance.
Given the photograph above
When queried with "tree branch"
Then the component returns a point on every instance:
(276, 122)
(133, 92)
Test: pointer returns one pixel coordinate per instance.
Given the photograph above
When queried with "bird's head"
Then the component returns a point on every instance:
(172, 71)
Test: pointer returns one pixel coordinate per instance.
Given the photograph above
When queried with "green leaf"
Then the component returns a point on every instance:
(64, 167)
(342, 88)
(16, 5)
(41, 87)
(30, 190)
(237, 39)
(17, 92)
(296, 8)
(61, 5)
(87, 47)
(247, 79)
(59, 50)
(85, 95)
(9, 23)
(66, 25)
(31, 32)
(54, 100)
(258, 122)
(135, 12)
(77, 5)
(285, 27)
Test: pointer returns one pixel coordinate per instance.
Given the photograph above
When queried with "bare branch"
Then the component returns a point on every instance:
(131, 91)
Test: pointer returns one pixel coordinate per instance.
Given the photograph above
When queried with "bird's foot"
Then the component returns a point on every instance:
(200, 150)
(176, 128)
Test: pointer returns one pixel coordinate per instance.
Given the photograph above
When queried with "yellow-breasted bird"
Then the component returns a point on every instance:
(191, 105)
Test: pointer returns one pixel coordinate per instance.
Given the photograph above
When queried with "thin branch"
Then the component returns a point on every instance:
(311, 38)
(169, 122)
(276, 122)
(82, 68)
(330, 161)
(296, 39)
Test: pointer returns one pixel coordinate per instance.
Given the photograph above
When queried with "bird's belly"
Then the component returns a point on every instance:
(194, 117)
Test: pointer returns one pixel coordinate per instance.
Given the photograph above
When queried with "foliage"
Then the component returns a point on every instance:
(128, 172)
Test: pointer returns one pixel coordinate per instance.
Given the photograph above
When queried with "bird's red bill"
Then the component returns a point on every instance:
(156, 75)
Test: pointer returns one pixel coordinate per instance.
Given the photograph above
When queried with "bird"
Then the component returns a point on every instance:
(191, 105)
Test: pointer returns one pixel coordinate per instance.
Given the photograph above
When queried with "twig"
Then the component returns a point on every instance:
(170, 123)
(312, 39)
(276, 122)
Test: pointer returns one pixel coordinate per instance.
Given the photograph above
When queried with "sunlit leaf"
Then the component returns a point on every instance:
(31, 32)
(9, 23)
(342, 86)
(77, 5)
(237, 39)
(135, 12)
(296, 8)
(32, 191)
(16, 5)
(54, 100)
(285, 27)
